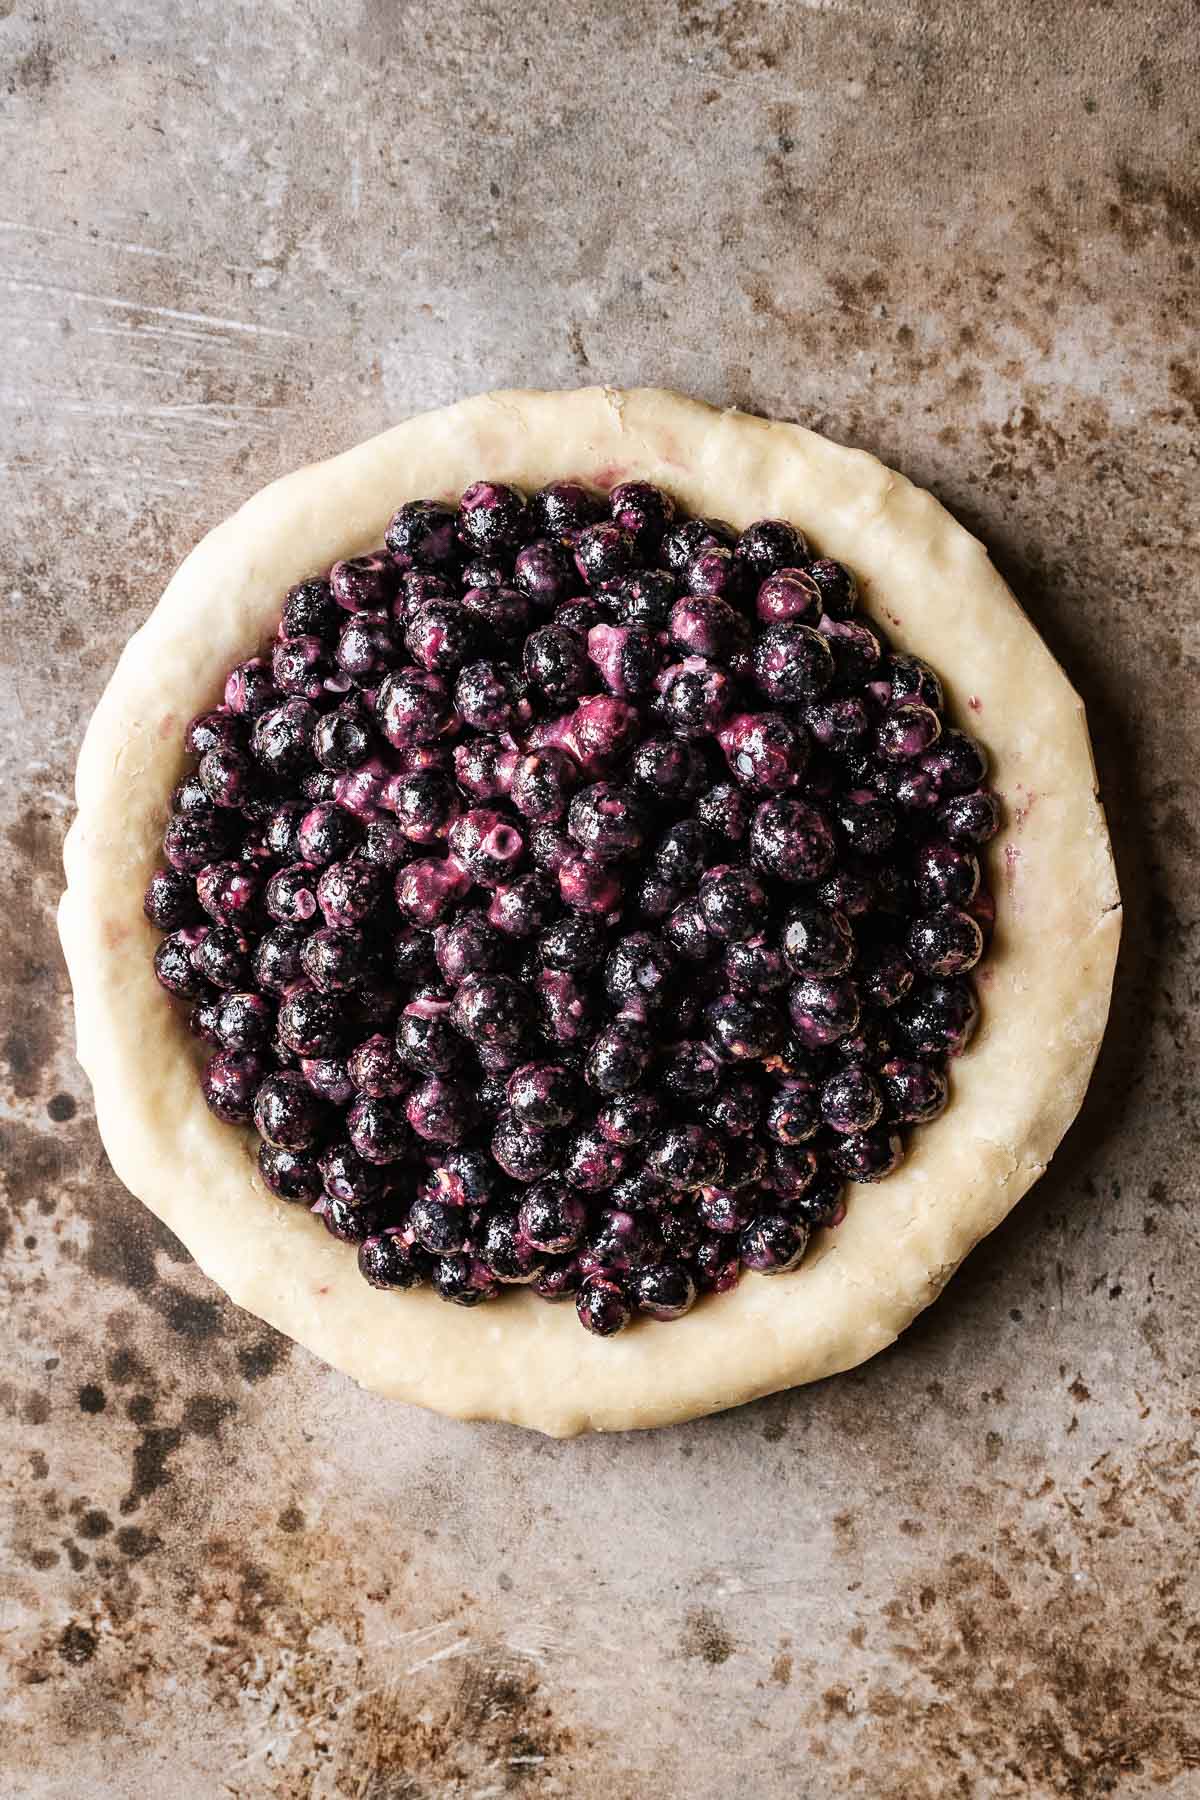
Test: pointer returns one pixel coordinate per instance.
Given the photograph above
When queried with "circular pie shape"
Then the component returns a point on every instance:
(1045, 986)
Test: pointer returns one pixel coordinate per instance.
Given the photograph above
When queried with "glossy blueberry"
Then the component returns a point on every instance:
(310, 1022)
(603, 552)
(732, 902)
(490, 696)
(291, 1174)
(764, 750)
(287, 1113)
(823, 1008)
(789, 594)
(230, 1082)
(645, 598)
(491, 516)
(686, 540)
(429, 889)
(422, 532)
(694, 696)
(970, 818)
(522, 1152)
(644, 511)
(856, 649)
(769, 545)
(542, 1096)
(792, 662)
(627, 658)
(541, 784)
(734, 1109)
(491, 1010)
(914, 1092)
(603, 1305)
(663, 1290)
(838, 588)
(945, 874)
(192, 840)
(375, 1069)
(794, 1112)
(250, 690)
(687, 932)
(545, 573)
(524, 906)
(772, 1244)
(377, 1129)
(277, 957)
(368, 646)
(619, 1056)
(171, 899)
(754, 966)
(283, 739)
(244, 1021)
(604, 727)
(791, 839)
(506, 1252)
(885, 975)
(488, 845)
(958, 763)
(441, 1229)
(629, 1118)
(502, 615)
(691, 1070)
(413, 707)
(335, 960)
(865, 823)
(463, 1280)
(948, 942)
(868, 1155)
(686, 1156)
(222, 957)
(741, 1028)
(907, 731)
(851, 1100)
(909, 678)
(389, 1261)
(938, 1018)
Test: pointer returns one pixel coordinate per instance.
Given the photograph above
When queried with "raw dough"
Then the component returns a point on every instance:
(1044, 988)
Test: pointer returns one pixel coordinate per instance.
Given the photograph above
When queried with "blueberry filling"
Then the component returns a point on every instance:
(576, 896)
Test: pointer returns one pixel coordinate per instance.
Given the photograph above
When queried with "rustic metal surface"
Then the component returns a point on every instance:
(964, 237)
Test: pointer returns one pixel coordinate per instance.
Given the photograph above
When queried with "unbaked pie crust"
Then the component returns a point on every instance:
(1044, 986)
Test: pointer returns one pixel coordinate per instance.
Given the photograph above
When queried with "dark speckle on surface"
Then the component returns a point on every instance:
(964, 238)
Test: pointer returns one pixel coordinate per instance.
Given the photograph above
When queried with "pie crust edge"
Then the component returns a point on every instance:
(1044, 986)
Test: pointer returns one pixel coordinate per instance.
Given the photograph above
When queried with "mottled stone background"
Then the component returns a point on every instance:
(238, 236)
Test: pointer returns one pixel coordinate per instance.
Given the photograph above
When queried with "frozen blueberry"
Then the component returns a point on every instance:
(885, 975)
(949, 942)
(249, 689)
(764, 750)
(556, 661)
(792, 662)
(443, 635)
(572, 943)
(686, 540)
(855, 647)
(754, 966)
(772, 1244)
(794, 1168)
(644, 511)
(568, 1008)
(277, 957)
(851, 1100)
(491, 516)
(694, 696)
(524, 906)
(868, 1155)
(425, 1037)
(593, 1162)
(686, 930)
(914, 1092)
(542, 1096)
(191, 840)
(230, 1082)
(589, 887)
(283, 739)
(727, 811)
(429, 889)
(939, 1018)
(769, 545)
(541, 784)
(669, 769)
(291, 1174)
(287, 1113)
(244, 1021)
(789, 594)
(734, 1109)
(945, 874)
(958, 763)
(335, 960)
(441, 1229)
(865, 822)
(791, 839)
(615, 1243)
(506, 1253)
(171, 898)
(502, 614)
(491, 1010)
(619, 1056)
(423, 533)
(310, 1022)
(419, 588)
(389, 1261)
(412, 956)
(550, 1218)
(545, 573)
(837, 723)
(686, 1156)
(970, 818)
(487, 845)
(604, 552)
(700, 626)
(627, 657)
(604, 727)
(823, 1009)
(732, 902)
(524, 1153)
(656, 896)
(629, 1118)
(374, 1068)
(645, 598)
(463, 1280)
(377, 1129)
(907, 731)
(794, 1112)
(440, 1109)
(603, 1305)
(222, 957)
(490, 696)
(838, 588)
(413, 707)
(908, 678)
(742, 1029)
(691, 1070)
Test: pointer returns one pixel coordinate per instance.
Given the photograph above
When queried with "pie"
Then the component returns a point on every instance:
(600, 852)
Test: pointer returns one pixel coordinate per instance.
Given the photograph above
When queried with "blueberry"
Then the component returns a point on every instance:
(376, 1128)
(823, 1009)
(509, 1255)
(524, 906)
(907, 731)
(487, 845)
(850, 890)
(413, 707)
(542, 1096)
(463, 1281)
(686, 540)
(491, 1010)
(441, 1229)
(686, 1156)
(550, 1218)
(388, 1261)
(732, 902)
(556, 661)
(283, 739)
(579, 616)
(485, 572)
(836, 723)
(350, 892)
(322, 786)
(425, 803)
(291, 1174)
(564, 506)
(868, 1155)
(644, 511)
(694, 696)
(645, 598)
(851, 1100)
(627, 657)
(441, 1109)
(885, 975)
(335, 960)
(250, 690)
(525, 1154)
(349, 1178)
(604, 727)
(171, 898)
(908, 678)
(412, 956)
(663, 1290)
(545, 573)
(727, 811)
(699, 626)
(794, 1168)
(572, 943)
(742, 1029)
(754, 966)
(949, 942)
(734, 1109)
(310, 1022)
(286, 1112)
(958, 762)
(769, 545)
(593, 1163)
(939, 1018)
(838, 588)
(914, 1092)
(619, 1056)
(357, 584)
(789, 594)
(191, 840)
(568, 1009)
(687, 932)
(541, 784)
(282, 835)
(656, 896)
(222, 957)
(277, 958)
(425, 1038)
(299, 667)
(218, 729)
(604, 552)
(442, 635)
(490, 696)
(483, 767)
(230, 1082)
(349, 1224)
(792, 662)
(430, 888)
(375, 1069)
(616, 1242)
(342, 738)
(422, 533)
(764, 750)
(855, 647)
(791, 839)
(502, 614)
(589, 887)
(629, 1118)
(418, 588)
(669, 769)
(945, 874)
(602, 1305)
(328, 1079)
(193, 799)
(970, 818)
(244, 1021)
(794, 1113)
(772, 1244)
(691, 1070)
(866, 823)
(821, 1202)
